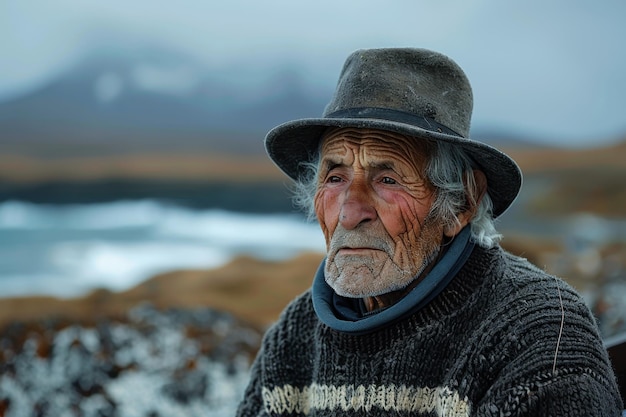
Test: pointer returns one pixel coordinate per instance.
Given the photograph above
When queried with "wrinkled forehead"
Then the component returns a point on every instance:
(375, 144)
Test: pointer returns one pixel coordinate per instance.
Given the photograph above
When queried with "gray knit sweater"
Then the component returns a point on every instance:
(485, 346)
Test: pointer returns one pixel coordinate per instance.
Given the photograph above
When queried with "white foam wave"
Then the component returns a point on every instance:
(124, 214)
(68, 250)
(287, 232)
(121, 265)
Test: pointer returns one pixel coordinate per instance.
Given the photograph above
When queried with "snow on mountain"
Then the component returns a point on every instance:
(152, 97)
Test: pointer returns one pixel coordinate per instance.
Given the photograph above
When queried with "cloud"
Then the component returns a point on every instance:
(553, 69)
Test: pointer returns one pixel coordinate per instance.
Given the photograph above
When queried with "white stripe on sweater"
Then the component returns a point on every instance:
(288, 399)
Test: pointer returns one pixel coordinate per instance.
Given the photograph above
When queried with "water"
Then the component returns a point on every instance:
(68, 250)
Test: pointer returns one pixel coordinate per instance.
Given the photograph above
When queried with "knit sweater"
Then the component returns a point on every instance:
(502, 339)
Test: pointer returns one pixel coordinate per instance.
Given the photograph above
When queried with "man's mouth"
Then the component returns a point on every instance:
(356, 250)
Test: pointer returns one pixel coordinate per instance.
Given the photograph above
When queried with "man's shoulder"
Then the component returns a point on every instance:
(294, 323)
(522, 283)
(522, 265)
(301, 304)
(513, 280)
(520, 271)
(298, 310)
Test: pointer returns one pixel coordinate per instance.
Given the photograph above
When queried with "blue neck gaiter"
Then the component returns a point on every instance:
(346, 314)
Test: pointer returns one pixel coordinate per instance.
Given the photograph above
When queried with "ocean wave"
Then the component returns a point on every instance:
(68, 250)
(112, 215)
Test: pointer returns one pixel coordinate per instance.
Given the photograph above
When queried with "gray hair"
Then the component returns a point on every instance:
(450, 171)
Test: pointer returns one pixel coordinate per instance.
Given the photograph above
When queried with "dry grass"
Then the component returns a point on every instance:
(583, 180)
(191, 167)
(539, 160)
(253, 290)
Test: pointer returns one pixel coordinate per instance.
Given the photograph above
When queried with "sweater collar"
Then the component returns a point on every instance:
(343, 314)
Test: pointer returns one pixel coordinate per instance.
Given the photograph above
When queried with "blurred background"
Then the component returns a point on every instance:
(131, 143)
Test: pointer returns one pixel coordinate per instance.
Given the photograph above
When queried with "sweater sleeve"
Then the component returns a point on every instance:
(251, 404)
(580, 394)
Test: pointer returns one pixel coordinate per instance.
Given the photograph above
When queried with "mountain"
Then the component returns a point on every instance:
(149, 98)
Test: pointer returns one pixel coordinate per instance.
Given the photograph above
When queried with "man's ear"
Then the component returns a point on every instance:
(475, 190)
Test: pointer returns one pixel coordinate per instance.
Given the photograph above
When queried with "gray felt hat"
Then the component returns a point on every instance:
(415, 92)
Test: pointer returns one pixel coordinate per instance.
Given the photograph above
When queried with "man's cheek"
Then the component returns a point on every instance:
(401, 225)
(327, 220)
(406, 233)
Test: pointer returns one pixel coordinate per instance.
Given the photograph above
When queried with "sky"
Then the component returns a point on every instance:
(548, 69)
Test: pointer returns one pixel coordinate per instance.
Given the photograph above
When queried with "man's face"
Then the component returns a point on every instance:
(373, 205)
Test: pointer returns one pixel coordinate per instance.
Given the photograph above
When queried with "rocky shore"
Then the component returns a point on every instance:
(151, 363)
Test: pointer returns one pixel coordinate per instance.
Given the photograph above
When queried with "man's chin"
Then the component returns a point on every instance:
(350, 287)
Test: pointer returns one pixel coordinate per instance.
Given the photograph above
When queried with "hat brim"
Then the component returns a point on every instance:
(292, 143)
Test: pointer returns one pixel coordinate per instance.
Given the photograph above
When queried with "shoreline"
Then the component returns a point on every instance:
(256, 291)
(251, 289)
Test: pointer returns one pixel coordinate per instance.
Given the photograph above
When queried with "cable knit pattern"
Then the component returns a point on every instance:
(484, 347)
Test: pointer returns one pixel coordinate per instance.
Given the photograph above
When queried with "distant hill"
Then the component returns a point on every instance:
(151, 100)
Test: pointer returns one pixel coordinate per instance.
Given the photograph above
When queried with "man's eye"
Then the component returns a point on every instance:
(388, 180)
(333, 178)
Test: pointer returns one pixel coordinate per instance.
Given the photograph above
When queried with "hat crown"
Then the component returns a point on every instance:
(409, 80)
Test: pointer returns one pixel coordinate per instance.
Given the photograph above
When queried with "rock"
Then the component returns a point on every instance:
(152, 363)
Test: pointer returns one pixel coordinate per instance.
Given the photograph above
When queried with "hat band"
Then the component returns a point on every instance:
(392, 115)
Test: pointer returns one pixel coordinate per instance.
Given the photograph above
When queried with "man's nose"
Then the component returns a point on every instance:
(357, 207)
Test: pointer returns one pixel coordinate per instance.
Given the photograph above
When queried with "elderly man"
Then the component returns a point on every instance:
(416, 309)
